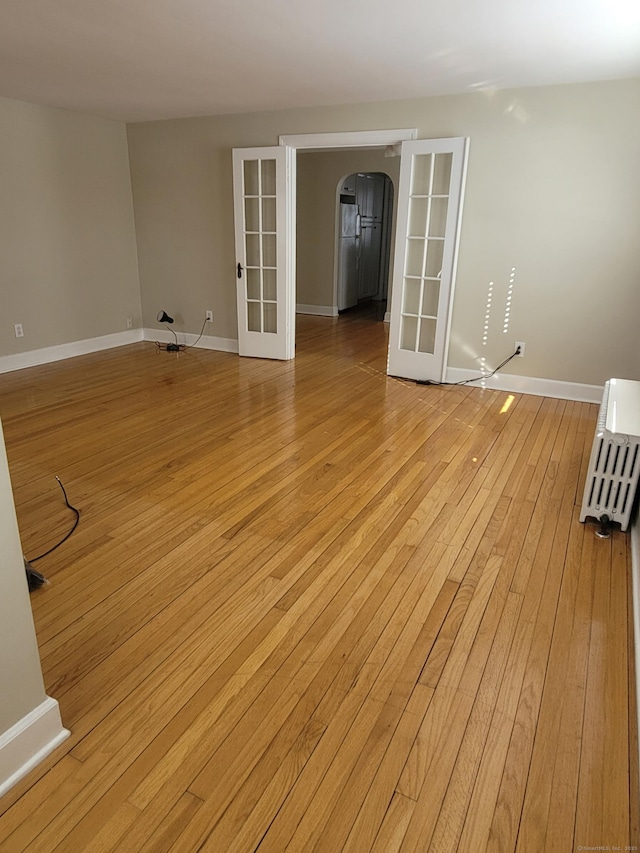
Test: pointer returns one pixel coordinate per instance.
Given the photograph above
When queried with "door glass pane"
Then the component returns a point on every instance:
(438, 217)
(270, 317)
(427, 342)
(411, 296)
(269, 284)
(251, 177)
(254, 316)
(253, 250)
(253, 284)
(409, 333)
(421, 174)
(418, 217)
(251, 214)
(268, 177)
(430, 298)
(435, 250)
(269, 250)
(260, 282)
(442, 174)
(268, 214)
(415, 257)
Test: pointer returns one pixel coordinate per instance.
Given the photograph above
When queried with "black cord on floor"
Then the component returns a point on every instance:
(170, 347)
(473, 379)
(64, 539)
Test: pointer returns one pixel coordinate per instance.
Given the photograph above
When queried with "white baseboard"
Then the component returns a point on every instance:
(387, 316)
(318, 310)
(45, 355)
(531, 385)
(500, 382)
(186, 338)
(20, 360)
(29, 741)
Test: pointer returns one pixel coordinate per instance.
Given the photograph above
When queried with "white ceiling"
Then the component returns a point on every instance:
(150, 59)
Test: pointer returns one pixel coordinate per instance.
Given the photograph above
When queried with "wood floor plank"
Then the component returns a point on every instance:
(603, 776)
(381, 793)
(508, 765)
(460, 739)
(542, 700)
(243, 823)
(36, 801)
(634, 754)
(394, 827)
(536, 622)
(161, 788)
(455, 813)
(312, 607)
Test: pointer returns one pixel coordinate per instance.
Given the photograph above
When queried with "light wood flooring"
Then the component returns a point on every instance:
(310, 607)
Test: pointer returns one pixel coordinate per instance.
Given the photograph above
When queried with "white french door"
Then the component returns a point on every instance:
(430, 195)
(264, 207)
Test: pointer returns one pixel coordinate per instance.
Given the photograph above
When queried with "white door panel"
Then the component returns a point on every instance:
(264, 209)
(430, 194)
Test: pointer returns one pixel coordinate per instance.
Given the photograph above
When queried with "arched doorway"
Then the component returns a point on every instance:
(364, 216)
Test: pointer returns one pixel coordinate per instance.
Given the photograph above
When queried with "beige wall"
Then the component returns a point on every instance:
(551, 191)
(319, 174)
(21, 686)
(67, 238)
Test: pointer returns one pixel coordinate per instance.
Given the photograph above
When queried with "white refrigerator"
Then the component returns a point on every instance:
(349, 256)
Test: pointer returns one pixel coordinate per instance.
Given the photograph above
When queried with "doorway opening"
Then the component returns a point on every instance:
(429, 200)
(345, 224)
(364, 214)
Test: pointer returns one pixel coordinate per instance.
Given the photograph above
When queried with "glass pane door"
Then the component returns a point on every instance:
(264, 285)
(429, 207)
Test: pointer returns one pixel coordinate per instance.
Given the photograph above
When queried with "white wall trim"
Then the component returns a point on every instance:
(387, 317)
(29, 741)
(45, 355)
(206, 341)
(530, 385)
(31, 358)
(318, 310)
(349, 139)
(635, 586)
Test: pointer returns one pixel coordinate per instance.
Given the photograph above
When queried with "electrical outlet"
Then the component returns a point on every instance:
(129, 323)
(209, 315)
(521, 345)
(18, 330)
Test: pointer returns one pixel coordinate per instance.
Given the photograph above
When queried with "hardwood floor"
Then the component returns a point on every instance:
(310, 607)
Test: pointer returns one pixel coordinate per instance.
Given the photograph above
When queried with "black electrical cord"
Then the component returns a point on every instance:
(181, 347)
(473, 379)
(170, 347)
(199, 336)
(64, 539)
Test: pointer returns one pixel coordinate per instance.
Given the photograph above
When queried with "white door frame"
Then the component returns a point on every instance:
(327, 141)
(319, 142)
(349, 139)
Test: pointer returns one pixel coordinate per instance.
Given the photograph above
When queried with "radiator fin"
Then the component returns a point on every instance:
(614, 466)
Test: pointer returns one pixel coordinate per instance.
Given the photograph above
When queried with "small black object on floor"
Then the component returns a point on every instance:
(603, 530)
(34, 578)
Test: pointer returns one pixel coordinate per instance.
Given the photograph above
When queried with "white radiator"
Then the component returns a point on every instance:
(614, 467)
